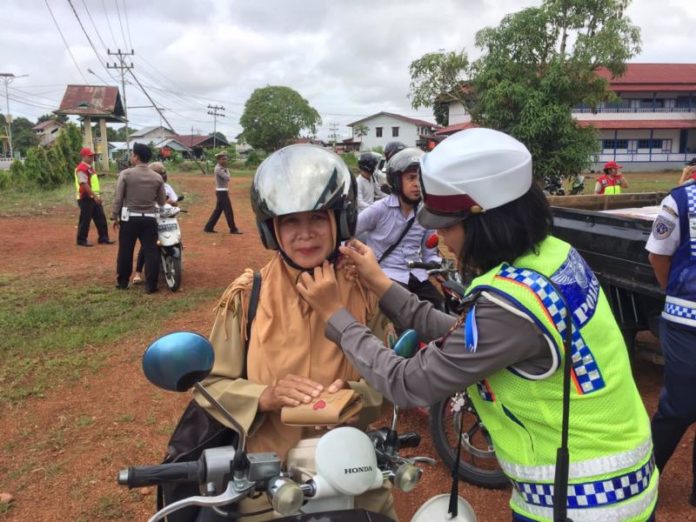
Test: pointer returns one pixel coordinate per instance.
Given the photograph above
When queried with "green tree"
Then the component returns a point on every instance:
(541, 62)
(274, 116)
(23, 136)
(436, 79)
(361, 130)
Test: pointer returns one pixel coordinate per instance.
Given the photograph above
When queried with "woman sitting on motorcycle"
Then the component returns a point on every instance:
(304, 198)
(531, 294)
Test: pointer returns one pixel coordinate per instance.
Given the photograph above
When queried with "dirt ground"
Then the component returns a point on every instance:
(64, 450)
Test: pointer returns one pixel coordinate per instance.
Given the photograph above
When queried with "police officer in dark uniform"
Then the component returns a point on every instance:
(138, 192)
(672, 247)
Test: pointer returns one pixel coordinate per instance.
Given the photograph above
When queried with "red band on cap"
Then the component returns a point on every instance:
(452, 204)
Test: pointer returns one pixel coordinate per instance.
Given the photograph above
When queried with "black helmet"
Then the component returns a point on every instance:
(403, 161)
(392, 148)
(368, 161)
(303, 178)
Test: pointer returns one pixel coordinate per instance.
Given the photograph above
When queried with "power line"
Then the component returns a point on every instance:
(65, 42)
(91, 44)
(118, 12)
(122, 66)
(125, 11)
(93, 24)
(108, 22)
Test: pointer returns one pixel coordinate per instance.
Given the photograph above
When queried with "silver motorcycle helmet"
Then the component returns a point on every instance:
(303, 178)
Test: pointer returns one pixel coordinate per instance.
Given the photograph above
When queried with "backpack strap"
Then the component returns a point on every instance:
(251, 313)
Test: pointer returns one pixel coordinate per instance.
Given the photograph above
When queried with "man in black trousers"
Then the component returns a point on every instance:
(223, 204)
(138, 192)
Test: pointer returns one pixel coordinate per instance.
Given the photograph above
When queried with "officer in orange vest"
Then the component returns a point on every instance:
(89, 201)
(612, 181)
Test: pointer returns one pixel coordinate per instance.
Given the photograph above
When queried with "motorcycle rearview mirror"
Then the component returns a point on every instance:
(178, 362)
(407, 344)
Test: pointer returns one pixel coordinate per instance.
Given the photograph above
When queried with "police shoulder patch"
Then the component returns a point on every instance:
(662, 228)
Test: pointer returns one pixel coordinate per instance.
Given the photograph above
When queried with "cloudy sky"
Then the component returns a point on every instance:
(348, 58)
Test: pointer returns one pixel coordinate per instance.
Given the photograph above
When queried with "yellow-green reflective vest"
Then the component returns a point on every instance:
(93, 184)
(612, 472)
(612, 190)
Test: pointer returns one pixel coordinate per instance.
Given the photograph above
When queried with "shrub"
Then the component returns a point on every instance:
(254, 158)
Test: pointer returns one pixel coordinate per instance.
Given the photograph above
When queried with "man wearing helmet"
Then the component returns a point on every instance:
(305, 205)
(531, 300)
(368, 190)
(392, 230)
(612, 181)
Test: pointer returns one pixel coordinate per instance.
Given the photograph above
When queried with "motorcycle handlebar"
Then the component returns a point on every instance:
(426, 266)
(141, 476)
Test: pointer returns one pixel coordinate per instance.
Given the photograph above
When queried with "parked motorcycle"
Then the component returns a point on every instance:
(477, 464)
(346, 462)
(170, 245)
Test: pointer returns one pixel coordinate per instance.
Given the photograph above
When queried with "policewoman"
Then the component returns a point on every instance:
(507, 350)
(672, 247)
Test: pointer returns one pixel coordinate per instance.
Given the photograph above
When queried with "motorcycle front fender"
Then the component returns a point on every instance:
(172, 251)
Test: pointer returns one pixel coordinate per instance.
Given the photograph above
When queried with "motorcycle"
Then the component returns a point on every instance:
(477, 464)
(578, 185)
(322, 476)
(170, 245)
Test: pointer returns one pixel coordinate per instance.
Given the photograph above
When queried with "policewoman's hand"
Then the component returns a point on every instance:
(339, 384)
(291, 390)
(367, 266)
(321, 290)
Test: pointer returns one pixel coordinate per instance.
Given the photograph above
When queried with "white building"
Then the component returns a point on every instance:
(47, 131)
(384, 127)
(152, 134)
(652, 125)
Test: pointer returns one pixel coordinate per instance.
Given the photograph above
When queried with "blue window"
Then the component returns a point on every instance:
(650, 144)
(614, 144)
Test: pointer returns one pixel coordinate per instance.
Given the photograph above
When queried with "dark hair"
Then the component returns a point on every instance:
(142, 151)
(505, 233)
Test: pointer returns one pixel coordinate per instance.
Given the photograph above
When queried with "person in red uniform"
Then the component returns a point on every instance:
(612, 181)
(89, 201)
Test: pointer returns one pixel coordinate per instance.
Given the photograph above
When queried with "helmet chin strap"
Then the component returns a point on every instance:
(410, 201)
(331, 259)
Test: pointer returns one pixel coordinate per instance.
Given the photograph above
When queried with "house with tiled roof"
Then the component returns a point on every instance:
(47, 131)
(650, 126)
(384, 127)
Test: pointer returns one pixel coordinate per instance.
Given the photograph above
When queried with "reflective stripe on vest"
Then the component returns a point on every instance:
(587, 374)
(638, 509)
(583, 468)
(691, 206)
(680, 311)
(591, 494)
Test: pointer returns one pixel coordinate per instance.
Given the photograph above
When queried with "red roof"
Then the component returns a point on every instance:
(639, 124)
(654, 77)
(92, 100)
(415, 121)
(446, 131)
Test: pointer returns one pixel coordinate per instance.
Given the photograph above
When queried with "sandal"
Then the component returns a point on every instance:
(137, 279)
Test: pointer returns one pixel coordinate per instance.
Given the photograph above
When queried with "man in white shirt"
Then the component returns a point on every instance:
(368, 189)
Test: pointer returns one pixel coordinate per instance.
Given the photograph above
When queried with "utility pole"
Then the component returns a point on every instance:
(7, 79)
(216, 112)
(333, 128)
(123, 67)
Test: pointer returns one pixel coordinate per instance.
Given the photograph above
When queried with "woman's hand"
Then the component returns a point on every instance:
(338, 384)
(365, 262)
(321, 292)
(291, 390)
